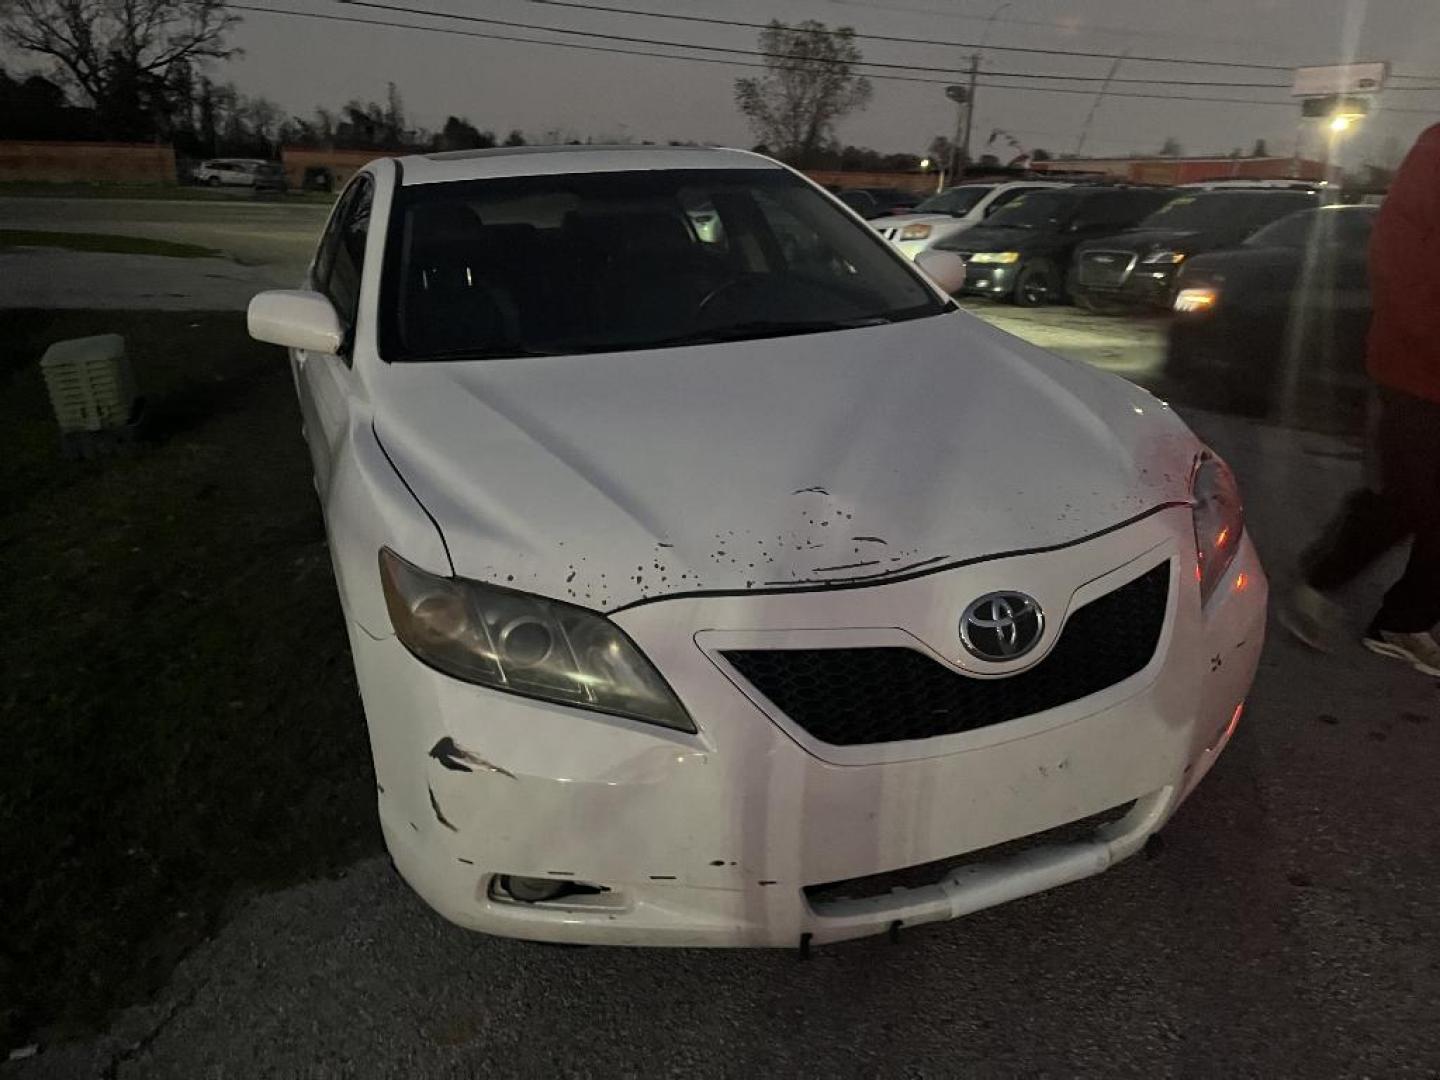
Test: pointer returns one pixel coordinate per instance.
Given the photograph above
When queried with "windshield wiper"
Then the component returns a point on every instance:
(763, 328)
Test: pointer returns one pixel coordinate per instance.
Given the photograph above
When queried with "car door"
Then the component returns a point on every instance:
(325, 384)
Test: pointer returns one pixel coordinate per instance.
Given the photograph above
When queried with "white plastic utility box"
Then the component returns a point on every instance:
(92, 391)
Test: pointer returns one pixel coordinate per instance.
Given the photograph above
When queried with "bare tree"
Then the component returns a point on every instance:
(97, 43)
(808, 85)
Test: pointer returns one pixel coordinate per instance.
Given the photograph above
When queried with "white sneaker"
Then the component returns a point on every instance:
(1312, 617)
(1421, 651)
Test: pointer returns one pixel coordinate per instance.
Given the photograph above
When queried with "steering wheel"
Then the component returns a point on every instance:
(720, 290)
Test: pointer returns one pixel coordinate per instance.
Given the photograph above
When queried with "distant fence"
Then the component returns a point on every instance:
(87, 162)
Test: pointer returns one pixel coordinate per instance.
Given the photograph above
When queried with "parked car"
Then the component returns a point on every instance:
(1137, 268)
(1021, 252)
(951, 212)
(229, 172)
(878, 202)
(1292, 299)
(318, 178)
(695, 586)
(270, 176)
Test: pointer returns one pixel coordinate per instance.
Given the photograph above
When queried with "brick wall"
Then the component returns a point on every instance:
(88, 162)
(916, 182)
(342, 163)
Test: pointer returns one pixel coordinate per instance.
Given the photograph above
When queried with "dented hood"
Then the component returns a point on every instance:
(859, 455)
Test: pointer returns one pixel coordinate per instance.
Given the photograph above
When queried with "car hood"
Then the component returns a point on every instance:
(1144, 241)
(848, 457)
(989, 238)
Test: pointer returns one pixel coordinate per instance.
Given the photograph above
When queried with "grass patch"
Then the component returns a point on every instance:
(180, 715)
(187, 192)
(120, 245)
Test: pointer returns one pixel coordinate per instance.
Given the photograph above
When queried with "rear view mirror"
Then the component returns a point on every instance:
(297, 319)
(945, 268)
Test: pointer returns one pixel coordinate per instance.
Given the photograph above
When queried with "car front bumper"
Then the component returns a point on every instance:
(990, 279)
(1145, 287)
(711, 839)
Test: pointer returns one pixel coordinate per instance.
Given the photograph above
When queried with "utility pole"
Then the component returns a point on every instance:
(969, 109)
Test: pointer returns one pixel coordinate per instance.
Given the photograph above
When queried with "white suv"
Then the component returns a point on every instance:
(231, 172)
(952, 211)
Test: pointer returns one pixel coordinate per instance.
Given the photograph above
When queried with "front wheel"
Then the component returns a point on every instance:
(1037, 285)
(213, 181)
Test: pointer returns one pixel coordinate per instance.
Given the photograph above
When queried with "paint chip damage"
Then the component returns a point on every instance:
(457, 759)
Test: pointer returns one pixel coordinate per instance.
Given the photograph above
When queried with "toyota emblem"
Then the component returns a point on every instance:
(1001, 626)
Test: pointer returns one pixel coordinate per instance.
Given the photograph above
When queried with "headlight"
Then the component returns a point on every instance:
(525, 645)
(1219, 520)
(1164, 258)
(915, 232)
(1005, 258)
(1196, 300)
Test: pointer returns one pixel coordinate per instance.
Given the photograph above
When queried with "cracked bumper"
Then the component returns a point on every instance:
(711, 839)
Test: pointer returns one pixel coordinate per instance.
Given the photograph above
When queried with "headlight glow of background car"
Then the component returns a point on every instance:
(1219, 521)
(1003, 258)
(524, 644)
(918, 231)
(1196, 300)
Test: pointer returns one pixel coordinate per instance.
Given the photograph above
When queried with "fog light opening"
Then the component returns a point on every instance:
(531, 890)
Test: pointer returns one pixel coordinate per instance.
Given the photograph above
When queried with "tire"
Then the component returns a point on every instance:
(1037, 285)
(212, 181)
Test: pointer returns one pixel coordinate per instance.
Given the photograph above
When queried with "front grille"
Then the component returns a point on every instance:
(1105, 269)
(853, 697)
(917, 877)
(890, 233)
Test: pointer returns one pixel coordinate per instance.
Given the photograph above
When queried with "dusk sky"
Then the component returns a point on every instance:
(300, 63)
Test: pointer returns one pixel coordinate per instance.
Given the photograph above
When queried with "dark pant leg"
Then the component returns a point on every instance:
(1405, 452)
(1410, 444)
(1365, 528)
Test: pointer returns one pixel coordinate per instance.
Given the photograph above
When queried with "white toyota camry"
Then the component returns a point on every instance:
(730, 586)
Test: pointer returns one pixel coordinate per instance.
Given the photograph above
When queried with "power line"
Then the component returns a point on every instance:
(713, 20)
(612, 50)
(673, 44)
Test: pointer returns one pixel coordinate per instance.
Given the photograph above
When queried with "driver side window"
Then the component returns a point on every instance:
(341, 258)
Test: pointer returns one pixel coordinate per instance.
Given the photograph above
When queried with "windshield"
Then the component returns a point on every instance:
(1035, 210)
(606, 261)
(1228, 210)
(1348, 226)
(957, 201)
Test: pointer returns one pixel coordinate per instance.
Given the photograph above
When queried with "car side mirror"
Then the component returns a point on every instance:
(945, 268)
(297, 319)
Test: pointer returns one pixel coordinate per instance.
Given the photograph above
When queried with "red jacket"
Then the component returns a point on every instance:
(1405, 277)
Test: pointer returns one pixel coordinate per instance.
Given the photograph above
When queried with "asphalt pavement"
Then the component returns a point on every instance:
(1287, 926)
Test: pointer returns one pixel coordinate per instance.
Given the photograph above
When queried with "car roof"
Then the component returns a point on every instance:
(504, 161)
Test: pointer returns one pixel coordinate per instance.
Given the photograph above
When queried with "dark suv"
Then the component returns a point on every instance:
(1021, 252)
(1137, 268)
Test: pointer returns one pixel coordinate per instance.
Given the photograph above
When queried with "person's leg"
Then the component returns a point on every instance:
(1369, 523)
(1402, 628)
(1413, 604)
